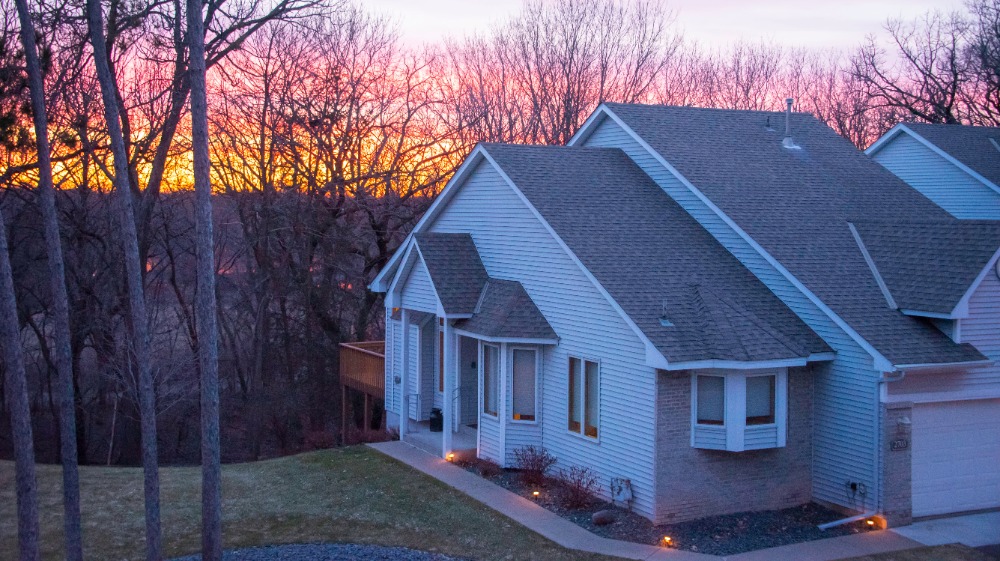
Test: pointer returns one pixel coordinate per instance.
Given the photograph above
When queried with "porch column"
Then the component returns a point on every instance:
(404, 373)
(448, 362)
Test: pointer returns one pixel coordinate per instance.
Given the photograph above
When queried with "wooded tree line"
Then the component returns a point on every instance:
(323, 137)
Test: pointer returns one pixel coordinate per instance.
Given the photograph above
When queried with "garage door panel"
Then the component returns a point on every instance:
(956, 456)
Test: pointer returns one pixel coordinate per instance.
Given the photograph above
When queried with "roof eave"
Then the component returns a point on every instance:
(508, 339)
(750, 364)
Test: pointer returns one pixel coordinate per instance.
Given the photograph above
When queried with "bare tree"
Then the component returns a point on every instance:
(139, 335)
(983, 98)
(537, 77)
(927, 81)
(16, 391)
(208, 345)
(57, 284)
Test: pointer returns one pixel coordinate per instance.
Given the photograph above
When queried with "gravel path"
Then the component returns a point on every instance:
(326, 552)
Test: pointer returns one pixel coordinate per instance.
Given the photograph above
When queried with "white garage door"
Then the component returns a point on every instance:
(956, 456)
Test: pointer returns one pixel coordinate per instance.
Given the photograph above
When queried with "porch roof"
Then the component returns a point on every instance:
(455, 269)
(506, 312)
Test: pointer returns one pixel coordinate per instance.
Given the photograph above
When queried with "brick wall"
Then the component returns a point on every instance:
(897, 504)
(692, 483)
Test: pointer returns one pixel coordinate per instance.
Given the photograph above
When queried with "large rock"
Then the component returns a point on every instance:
(602, 517)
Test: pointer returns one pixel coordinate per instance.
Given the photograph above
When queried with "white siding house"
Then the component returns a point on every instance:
(724, 318)
(843, 437)
(941, 177)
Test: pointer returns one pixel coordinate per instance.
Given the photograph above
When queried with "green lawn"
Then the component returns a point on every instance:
(347, 495)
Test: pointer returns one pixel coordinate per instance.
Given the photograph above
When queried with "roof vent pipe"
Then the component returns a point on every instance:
(788, 142)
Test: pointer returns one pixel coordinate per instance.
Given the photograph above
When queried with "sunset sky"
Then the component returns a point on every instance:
(807, 23)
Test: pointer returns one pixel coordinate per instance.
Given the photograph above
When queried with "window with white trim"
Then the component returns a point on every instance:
(524, 370)
(491, 379)
(739, 410)
(584, 397)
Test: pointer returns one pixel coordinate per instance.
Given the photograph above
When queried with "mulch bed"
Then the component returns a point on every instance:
(716, 535)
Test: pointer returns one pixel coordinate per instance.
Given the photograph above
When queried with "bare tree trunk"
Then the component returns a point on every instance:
(136, 294)
(205, 305)
(60, 300)
(20, 410)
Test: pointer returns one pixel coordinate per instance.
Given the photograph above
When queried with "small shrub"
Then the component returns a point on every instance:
(578, 487)
(533, 463)
(488, 469)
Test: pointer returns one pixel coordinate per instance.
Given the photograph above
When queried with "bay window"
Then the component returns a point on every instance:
(739, 410)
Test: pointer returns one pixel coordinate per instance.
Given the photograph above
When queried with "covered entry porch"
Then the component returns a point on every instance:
(458, 340)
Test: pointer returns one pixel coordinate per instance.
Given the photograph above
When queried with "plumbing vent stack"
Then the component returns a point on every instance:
(788, 142)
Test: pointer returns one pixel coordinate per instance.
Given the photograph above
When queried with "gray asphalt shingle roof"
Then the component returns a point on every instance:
(797, 204)
(929, 266)
(455, 268)
(505, 311)
(969, 145)
(653, 258)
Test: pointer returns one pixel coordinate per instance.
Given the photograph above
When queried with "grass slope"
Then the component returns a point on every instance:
(346, 495)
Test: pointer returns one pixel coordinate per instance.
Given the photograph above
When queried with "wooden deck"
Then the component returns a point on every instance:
(362, 367)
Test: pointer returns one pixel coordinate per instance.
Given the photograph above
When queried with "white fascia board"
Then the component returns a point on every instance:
(514, 340)
(587, 127)
(871, 265)
(380, 283)
(392, 289)
(901, 128)
(923, 314)
(945, 365)
(881, 363)
(884, 140)
(737, 364)
(600, 288)
(962, 308)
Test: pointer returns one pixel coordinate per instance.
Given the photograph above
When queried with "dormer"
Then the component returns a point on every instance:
(931, 269)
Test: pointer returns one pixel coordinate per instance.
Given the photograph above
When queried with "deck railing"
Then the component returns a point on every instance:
(362, 366)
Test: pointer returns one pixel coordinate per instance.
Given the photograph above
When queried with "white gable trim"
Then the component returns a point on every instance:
(394, 292)
(382, 280)
(888, 137)
(880, 361)
(962, 308)
(871, 265)
(653, 356)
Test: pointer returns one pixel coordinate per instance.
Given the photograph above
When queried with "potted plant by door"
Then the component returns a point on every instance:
(436, 420)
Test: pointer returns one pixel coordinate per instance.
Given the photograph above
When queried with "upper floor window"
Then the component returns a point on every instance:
(584, 396)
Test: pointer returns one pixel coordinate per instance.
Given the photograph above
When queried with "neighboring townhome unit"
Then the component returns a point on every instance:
(957, 167)
(724, 316)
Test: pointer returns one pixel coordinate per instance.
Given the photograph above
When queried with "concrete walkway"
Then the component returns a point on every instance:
(571, 536)
(973, 530)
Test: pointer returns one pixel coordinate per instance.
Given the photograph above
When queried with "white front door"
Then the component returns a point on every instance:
(956, 456)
